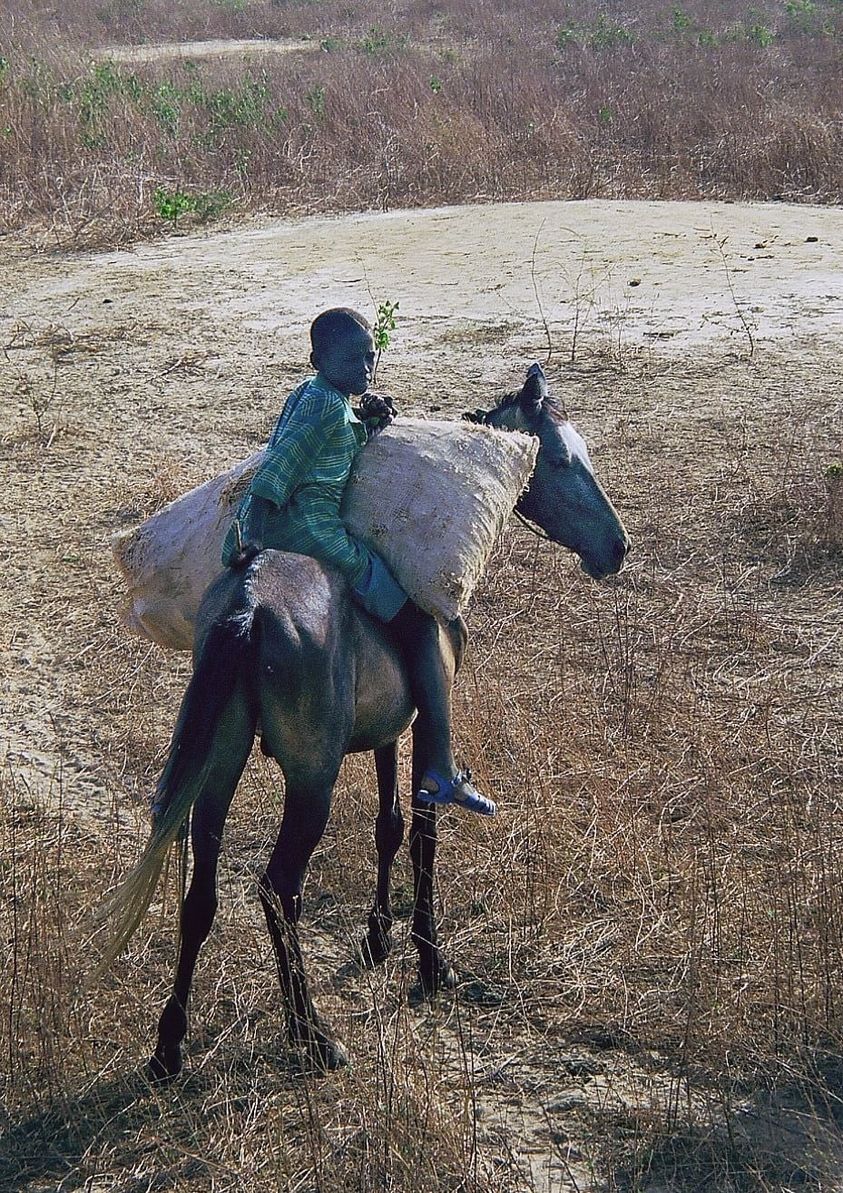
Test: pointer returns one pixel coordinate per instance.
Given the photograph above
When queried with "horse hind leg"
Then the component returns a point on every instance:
(389, 833)
(435, 972)
(306, 809)
(230, 752)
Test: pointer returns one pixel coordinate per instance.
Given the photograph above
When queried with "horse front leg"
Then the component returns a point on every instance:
(306, 810)
(389, 833)
(435, 972)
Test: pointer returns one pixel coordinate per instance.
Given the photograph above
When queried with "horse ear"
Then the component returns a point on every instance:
(534, 391)
(474, 416)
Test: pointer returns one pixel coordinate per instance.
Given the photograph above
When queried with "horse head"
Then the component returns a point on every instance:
(564, 496)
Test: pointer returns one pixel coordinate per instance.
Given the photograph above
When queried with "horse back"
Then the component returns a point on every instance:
(324, 676)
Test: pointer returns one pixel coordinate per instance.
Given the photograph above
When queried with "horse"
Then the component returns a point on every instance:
(280, 647)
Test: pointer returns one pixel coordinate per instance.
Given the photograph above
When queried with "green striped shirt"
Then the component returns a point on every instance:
(303, 475)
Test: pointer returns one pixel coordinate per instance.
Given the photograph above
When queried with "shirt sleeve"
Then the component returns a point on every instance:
(292, 451)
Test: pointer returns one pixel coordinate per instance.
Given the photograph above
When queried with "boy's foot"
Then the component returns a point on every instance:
(436, 789)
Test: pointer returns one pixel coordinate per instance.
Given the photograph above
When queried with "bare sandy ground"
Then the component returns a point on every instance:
(214, 48)
(519, 278)
(128, 376)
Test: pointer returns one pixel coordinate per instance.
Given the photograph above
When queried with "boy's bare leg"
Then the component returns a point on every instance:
(416, 634)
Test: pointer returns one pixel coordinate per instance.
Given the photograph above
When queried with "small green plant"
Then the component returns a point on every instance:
(761, 35)
(604, 115)
(435, 84)
(331, 44)
(170, 205)
(209, 205)
(609, 35)
(805, 17)
(565, 37)
(316, 101)
(385, 324)
(681, 21)
(240, 107)
(165, 103)
(379, 41)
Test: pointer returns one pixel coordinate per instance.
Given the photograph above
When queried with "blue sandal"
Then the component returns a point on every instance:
(458, 790)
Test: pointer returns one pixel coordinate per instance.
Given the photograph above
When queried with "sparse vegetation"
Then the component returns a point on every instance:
(508, 102)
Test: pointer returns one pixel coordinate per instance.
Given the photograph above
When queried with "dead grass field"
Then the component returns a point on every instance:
(649, 935)
(405, 105)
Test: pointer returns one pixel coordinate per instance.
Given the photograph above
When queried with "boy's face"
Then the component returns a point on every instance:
(348, 362)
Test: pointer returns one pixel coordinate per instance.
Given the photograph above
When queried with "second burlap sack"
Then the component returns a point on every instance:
(431, 498)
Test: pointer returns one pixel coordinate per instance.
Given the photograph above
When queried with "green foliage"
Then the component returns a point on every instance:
(165, 104)
(331, 44)
(805, 17)
(169, 205)
(435, 84)
(565, 37)
(240, 107)
(209, 205)
(379, 41)
(315, 98)
(385, 324)
(605, 115)
(761, 35)
(93, 96)
(681, 21)
(609, 35)
(230, 5)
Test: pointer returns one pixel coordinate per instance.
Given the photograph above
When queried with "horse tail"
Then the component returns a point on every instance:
(225, 655)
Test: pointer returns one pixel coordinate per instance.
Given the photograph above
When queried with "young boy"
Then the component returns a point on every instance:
(293, 504)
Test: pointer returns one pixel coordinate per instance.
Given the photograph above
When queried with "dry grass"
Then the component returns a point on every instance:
(410, 106)
(649, 938)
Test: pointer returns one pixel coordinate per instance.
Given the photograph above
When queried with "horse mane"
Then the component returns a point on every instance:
(553, 406)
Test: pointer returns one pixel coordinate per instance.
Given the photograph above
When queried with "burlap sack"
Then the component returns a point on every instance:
(430, 497)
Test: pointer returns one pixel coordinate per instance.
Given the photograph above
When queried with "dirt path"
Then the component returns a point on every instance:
(216, 48)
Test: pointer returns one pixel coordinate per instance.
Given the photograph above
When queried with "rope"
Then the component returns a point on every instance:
(540, 534)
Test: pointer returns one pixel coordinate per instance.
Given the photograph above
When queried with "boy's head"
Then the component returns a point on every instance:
(343, 349)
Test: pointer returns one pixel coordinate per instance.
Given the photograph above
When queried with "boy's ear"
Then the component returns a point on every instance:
(314, 361)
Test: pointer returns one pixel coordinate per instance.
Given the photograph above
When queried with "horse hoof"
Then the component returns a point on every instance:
(164, 1066)
(325, 1054)
(437, 977)
(375, 949)
(329, 1056)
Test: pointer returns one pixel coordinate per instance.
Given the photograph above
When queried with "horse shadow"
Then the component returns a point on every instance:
(131, 1121)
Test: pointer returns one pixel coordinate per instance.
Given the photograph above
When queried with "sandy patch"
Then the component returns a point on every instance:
(215, 48)
(682, 274)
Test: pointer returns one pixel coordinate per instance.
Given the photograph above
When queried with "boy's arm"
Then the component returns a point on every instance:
(251, 533)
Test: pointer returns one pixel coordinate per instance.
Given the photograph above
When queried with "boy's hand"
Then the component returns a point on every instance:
(378, 408)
